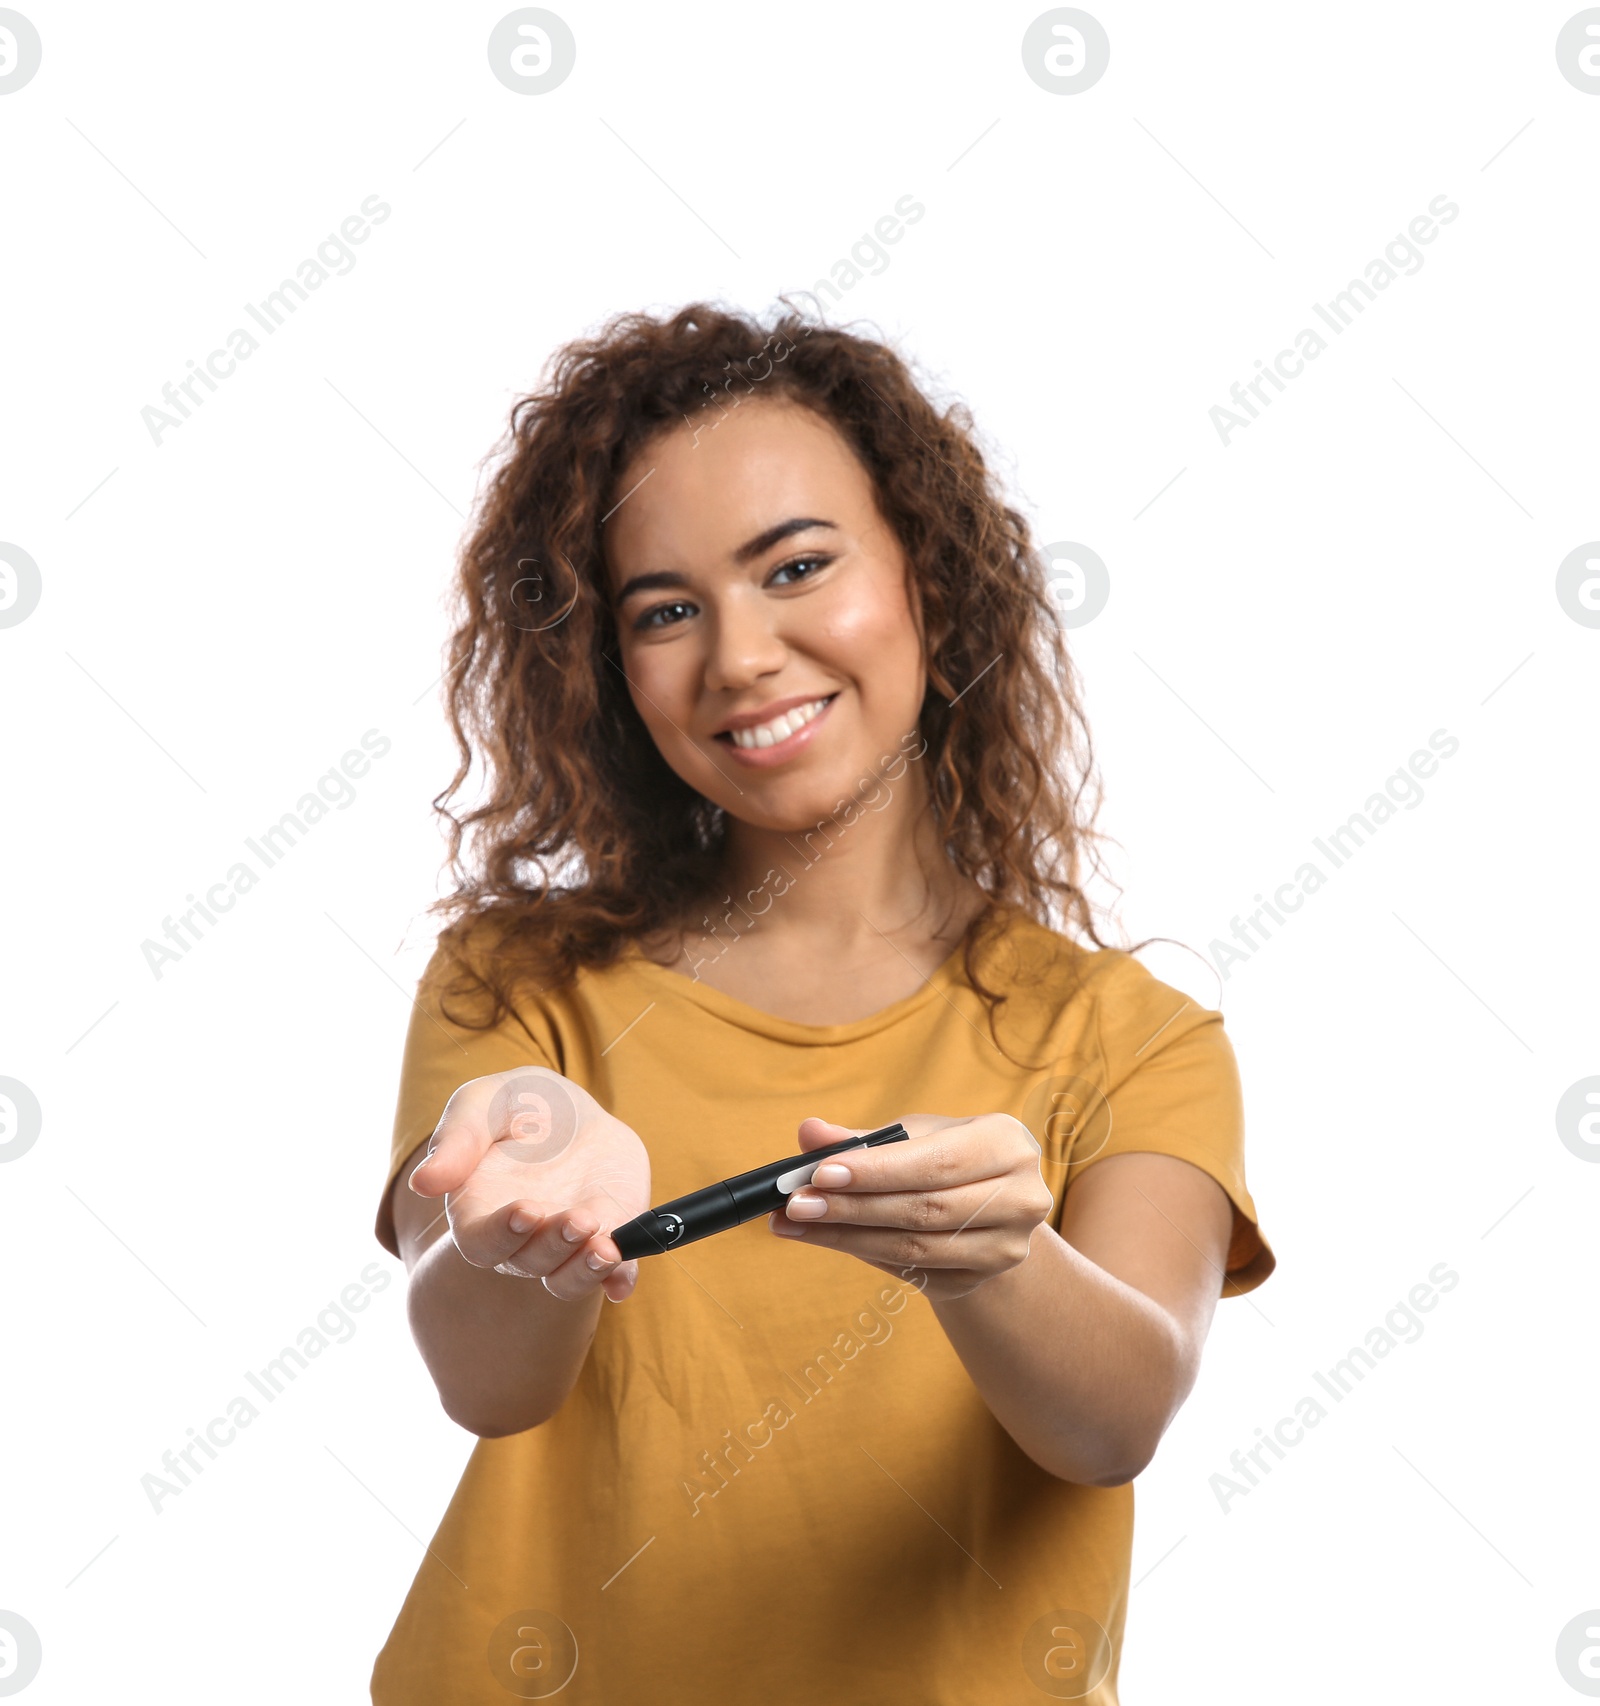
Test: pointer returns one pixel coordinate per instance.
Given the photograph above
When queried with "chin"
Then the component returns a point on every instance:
(792, 809)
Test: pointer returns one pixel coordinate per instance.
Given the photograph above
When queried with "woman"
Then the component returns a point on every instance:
(783, 779)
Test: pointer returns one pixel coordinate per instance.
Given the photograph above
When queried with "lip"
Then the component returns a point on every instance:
(753, 719)
(763, 757)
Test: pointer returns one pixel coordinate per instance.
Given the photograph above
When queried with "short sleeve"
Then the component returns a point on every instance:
(1166, 1080)
(441, 1054)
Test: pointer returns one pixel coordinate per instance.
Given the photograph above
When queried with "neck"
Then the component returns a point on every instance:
(848, 884)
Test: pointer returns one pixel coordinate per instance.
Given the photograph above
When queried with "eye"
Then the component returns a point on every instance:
(800, 563)
(648, 618)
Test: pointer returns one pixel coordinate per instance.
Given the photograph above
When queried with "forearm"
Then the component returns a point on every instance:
(502, 1351)
(1083, 1371)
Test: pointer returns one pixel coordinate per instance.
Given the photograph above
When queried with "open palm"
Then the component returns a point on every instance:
(535, 1174)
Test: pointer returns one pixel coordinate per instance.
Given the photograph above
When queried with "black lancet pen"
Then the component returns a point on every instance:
(732, 1201)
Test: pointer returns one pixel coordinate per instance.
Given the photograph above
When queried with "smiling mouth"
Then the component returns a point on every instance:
(779, 729)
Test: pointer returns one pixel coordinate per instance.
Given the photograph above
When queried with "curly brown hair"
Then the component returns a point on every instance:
(584, 839)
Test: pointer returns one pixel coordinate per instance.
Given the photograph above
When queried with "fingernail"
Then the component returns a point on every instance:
(806, 1208)
(831, 1174)
(519, 1222)
(596, 1261)
(573, 1234)
(785, 1230)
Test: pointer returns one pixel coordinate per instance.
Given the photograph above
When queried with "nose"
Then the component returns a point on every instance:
(745, 642)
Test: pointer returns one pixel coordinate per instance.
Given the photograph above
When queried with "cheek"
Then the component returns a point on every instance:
(876, 637)
(660, 682)
(876, 619)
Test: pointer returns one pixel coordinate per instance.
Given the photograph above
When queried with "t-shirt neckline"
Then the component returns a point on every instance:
(742, 1014)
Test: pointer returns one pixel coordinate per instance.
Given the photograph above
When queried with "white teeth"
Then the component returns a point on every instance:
(780, 728)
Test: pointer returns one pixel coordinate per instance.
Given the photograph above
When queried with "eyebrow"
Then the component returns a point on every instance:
(658, 579)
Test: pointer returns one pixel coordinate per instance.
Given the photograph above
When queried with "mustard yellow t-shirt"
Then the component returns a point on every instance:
(774, 1480)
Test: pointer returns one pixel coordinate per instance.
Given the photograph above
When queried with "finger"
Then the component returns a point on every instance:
(559, 1242)
(454, 1151)
(588, 1267)
(885, 1245)
(522, 1238)
(958, 1209)
(527, 1238)
(595, 1262)
(956, 1152)
(816, 1133)
(492, 1236)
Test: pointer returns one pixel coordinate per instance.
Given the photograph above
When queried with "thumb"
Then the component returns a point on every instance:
(453, 1155)
(816, 1133)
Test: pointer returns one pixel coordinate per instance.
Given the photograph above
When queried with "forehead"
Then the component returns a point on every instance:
(700, 489)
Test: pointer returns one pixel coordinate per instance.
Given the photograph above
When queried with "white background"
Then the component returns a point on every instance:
(223, 616)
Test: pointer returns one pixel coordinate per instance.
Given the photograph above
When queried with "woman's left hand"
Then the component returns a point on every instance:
(952, 1208)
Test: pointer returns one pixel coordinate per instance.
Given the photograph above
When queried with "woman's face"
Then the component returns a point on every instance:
(752, 576)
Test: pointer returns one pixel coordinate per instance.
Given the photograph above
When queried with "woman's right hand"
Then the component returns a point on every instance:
(531, 1168)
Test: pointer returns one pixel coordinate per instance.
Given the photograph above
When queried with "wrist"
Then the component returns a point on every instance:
(988, 1291)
